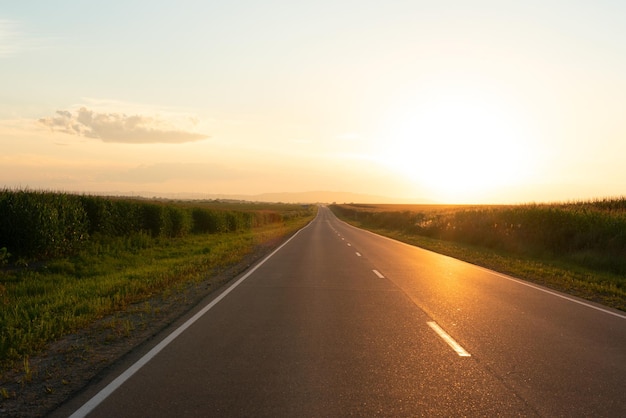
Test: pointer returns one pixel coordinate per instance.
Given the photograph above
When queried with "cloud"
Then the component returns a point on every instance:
(10, 38)
(118, 127)
(15, 38)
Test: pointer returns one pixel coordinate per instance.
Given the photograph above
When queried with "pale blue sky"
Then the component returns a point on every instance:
(477, 101)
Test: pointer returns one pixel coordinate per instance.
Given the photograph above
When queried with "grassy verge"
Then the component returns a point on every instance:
(583, 282)
(41, 304)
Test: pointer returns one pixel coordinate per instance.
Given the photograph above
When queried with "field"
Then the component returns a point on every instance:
(67, 261)
(576, 247)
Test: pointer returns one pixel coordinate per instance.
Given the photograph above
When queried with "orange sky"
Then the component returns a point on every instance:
(444, 101)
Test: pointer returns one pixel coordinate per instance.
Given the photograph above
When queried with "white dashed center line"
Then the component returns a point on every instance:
(448, 339)
(358, 254)
(377, 273)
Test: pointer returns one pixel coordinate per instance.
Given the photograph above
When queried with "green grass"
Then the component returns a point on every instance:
(50, 299)
(590, 265)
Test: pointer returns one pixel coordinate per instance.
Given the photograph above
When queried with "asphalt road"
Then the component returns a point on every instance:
(342, 322)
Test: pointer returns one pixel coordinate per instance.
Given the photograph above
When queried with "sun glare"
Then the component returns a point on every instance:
(458, 148)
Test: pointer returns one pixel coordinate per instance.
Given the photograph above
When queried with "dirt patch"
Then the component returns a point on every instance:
(53, 376)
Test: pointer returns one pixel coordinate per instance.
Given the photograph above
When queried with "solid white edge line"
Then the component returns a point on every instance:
(502, 275)
(377, 273)
(448, 339)
(553, 293)
(104, 393)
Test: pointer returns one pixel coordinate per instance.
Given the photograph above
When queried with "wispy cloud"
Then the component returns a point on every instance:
(118, 127)
(10, 38)
(16, 38)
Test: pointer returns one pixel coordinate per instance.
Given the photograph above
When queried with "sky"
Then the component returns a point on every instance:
(444, 101)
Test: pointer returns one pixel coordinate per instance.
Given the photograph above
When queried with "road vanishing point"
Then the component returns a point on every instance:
(342, 322)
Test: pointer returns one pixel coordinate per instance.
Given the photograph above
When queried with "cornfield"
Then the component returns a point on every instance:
(39, 224)
(591, 234)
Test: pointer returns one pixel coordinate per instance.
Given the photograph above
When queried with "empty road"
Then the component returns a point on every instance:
(342, 322)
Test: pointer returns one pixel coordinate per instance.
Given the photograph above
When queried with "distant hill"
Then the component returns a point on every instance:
(329, 197)
(286, 197)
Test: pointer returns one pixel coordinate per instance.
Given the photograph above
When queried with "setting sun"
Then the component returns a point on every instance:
(457, 146)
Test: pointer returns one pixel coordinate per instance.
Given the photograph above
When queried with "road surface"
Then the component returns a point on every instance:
(342, 322)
